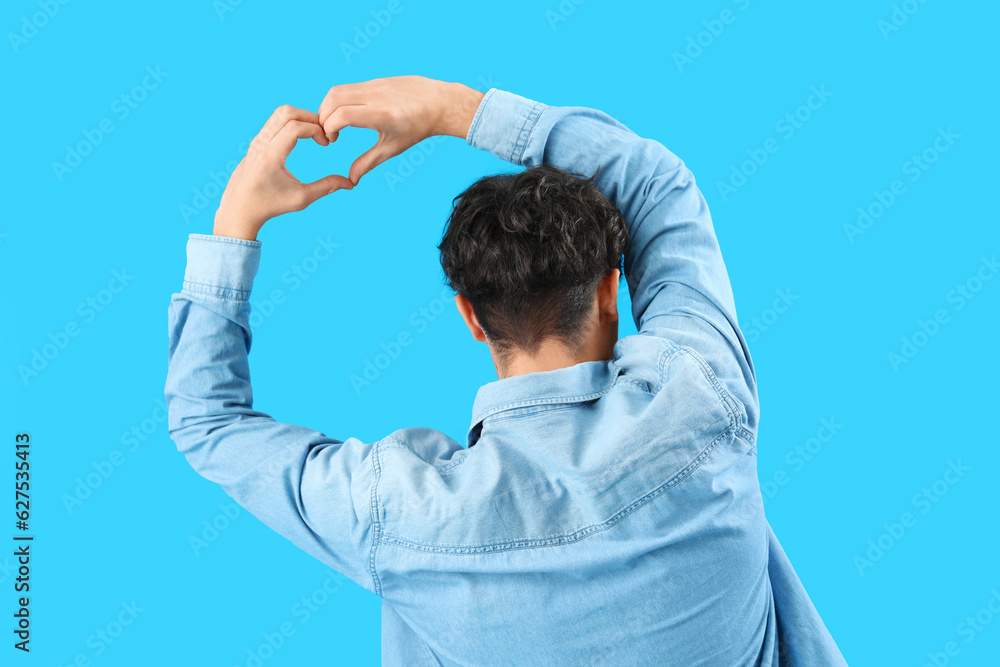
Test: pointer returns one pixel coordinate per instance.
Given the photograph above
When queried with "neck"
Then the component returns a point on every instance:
(552, 355)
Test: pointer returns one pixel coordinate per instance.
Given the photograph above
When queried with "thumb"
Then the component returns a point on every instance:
(370, 159)
(325, 186)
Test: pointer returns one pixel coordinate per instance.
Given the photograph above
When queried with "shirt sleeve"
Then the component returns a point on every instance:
(312, 489)
(673, 264)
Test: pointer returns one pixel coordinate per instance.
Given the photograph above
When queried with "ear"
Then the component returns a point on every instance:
(607, 297)
(465, 309)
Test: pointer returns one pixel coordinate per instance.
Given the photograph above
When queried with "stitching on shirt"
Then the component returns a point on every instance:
(524, 134)
(540, 409)
(226, 239)
(566, 538)
(376, 524)
(479, 114)
(215, 290)
(393, 441)
(727, 402)
(641, 384)
(398, 443)
(220, 296)
(579, 398)
(536, 113)
(670, 351)
(664, 359)
(451, 465)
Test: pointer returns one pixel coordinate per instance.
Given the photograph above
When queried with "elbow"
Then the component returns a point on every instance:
(191, 429)
(199, 441)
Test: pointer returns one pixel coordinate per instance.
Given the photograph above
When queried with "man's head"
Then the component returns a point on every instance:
(535, 260)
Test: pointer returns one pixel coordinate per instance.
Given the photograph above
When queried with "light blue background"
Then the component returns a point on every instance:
(824, 357)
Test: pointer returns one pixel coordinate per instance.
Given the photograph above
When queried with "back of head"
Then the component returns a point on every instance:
(528, 251)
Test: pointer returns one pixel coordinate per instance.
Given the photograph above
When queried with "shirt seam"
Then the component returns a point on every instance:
(542, 409)
(218, 291)
(448, 467)
(565, 538)
(396, 442)
(477, 118)
(528, 126)
(733, 411)
(481, 417)
(376, 523)
(552, 400)
(641, 384)
(225, 239)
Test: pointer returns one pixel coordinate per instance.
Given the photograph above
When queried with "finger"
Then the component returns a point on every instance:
(370, 159)
(279, 119)
(352, 115)
(285, 141)
(338, 96)
(324, 186)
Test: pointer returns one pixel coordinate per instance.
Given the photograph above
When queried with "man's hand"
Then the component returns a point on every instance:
(261, 188)
(404, 110)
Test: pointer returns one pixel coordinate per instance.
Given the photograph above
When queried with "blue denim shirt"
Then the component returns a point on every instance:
(604, 513)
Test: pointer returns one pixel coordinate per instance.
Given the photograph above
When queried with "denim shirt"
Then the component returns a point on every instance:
(606, 513)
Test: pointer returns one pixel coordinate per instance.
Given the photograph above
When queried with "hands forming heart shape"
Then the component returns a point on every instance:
(403, 110)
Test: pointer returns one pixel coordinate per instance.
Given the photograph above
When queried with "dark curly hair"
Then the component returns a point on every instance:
(528, 250)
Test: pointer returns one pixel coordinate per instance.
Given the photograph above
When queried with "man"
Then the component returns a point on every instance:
(604, 508)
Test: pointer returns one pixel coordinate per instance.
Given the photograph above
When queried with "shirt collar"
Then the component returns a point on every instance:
(574, 384)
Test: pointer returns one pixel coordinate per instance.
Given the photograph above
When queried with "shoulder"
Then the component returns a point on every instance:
(640, 356)
(425, 446)
(678, 375)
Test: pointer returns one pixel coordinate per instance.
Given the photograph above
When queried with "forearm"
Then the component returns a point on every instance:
(678, 281)
(672, 241)
(208, 373)
(651, 186)
(296, 480)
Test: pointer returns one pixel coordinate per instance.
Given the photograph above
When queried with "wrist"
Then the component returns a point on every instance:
(234, 225)
(461, 104)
